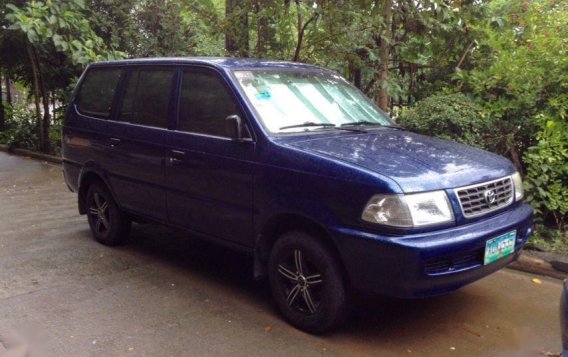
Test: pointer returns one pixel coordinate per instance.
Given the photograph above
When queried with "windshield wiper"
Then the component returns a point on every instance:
(393, 127)
(370, 123)
(307, 125)
(361, 122)
(325, 125)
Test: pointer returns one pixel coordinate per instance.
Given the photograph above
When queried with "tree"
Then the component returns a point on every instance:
(237, 27)
(384, 45)
(2, 114)
(55, 26)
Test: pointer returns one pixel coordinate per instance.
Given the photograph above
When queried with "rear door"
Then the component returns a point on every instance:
(137, 137)
(209, 176)
(85, 137)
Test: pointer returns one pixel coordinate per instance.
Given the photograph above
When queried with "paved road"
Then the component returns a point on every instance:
(166, 294)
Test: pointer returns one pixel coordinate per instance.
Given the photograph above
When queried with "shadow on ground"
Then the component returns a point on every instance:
(373, 317)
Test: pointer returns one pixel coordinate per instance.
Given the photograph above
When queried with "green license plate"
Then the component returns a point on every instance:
(499, 247)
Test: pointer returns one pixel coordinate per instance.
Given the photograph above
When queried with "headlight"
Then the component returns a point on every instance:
(518, 182)
(413, 210)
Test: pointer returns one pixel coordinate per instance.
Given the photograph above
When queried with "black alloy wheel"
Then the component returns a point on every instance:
(108, 224)
(307, 283)
(302, 283)
(100, 214)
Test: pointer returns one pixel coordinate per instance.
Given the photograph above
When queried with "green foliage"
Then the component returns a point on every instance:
(449, 116)
(547, 176)
(520, 71)
(20, 129)
(55, 138)
(550, 239)
(520, 66)
(60, 23)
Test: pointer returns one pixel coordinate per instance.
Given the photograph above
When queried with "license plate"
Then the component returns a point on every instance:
(499, 247)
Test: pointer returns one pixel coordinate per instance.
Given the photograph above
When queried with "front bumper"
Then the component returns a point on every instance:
(432, 263)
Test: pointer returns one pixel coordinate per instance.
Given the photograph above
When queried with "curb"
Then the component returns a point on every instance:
(29, 153)
(536, 266)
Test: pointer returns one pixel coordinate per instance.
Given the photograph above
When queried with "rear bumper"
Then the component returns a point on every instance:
(71, 175)
(430, 263)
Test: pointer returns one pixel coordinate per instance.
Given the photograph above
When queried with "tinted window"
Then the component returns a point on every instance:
(147, 97)
(205, 103)
(97, 92)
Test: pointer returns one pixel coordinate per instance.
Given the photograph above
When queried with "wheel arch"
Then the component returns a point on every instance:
(279, 224)
(87, 178)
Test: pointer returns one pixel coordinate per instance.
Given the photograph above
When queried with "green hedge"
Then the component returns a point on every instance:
(449, 116)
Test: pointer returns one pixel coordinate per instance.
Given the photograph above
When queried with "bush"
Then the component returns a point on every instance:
(449, 116)
(546, 182)
(55, 139)
(550, 239)
(20, 130)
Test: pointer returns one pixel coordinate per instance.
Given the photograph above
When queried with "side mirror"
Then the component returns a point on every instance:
(234, 127)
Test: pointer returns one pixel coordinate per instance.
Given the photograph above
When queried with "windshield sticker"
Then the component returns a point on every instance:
(263, 96)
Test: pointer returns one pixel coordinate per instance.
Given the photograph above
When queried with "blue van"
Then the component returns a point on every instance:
(294, 166)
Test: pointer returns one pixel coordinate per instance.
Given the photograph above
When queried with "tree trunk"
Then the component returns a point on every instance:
(8, 90)
(386, 13)
(261, 27)
(265, 33)
(2, 118)
(515, 156)
(357, 76)
(52, 96)
(45, 101)
(301, 30)
(230, 45)
(36, 93)
(39, 92)
(236, 35)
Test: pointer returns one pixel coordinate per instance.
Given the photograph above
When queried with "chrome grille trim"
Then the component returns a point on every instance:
(472, 198)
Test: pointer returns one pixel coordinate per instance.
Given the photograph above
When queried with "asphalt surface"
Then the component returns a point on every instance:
(168, 294)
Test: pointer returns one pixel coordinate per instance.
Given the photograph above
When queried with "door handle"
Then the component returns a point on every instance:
(176, 156)
(114, 142)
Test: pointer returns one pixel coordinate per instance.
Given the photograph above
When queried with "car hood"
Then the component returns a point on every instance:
(416, 162)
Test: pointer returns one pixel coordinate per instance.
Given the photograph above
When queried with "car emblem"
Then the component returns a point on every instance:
(489, 196)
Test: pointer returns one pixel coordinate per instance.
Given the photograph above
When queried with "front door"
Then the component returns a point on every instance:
(209, 176)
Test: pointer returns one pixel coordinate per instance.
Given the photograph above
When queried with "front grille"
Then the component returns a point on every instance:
(477, 199)
(453, 263)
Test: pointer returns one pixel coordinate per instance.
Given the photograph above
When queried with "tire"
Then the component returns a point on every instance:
(307, 283)
(109, 225)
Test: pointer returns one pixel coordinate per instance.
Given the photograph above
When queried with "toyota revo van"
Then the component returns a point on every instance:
(292, 165)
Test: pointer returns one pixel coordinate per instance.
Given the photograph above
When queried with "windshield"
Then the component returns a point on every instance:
(291, 101)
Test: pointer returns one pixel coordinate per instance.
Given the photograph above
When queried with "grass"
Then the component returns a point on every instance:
(550, 239)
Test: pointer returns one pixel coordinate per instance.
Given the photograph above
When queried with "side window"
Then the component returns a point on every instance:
(97, 92)
(205, 102)
(147, 97)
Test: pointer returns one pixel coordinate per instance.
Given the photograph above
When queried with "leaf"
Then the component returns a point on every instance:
(32, 36)
(13, 8)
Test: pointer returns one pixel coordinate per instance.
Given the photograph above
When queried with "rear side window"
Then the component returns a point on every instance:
(97, 92)
(147, 97)
(205, 102)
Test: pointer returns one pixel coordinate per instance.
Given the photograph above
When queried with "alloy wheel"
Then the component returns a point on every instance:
(99, 211)
(301, 283)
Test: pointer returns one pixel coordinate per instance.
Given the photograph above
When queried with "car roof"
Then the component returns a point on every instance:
(220, 62)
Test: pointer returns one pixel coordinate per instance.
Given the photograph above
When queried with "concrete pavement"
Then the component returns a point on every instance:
(166, 294)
